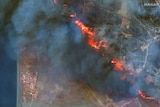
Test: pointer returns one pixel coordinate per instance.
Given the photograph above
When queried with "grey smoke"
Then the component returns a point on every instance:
(39, 25)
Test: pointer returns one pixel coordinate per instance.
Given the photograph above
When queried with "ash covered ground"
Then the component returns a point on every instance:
(45, 34)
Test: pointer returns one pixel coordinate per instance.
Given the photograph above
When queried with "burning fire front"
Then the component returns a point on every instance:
(100, 50)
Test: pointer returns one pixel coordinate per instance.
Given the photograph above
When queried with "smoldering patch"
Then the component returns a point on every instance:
(92, 43)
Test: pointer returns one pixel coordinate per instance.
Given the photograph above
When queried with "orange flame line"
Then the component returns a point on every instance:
(93, 44)
(97, 44)
(92, 39)
(84, 29)
(144, 96)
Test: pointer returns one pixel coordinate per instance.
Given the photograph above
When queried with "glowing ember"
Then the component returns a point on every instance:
(119, 65)
(92, 39)
(144, 96)
(55, 1)
(93, 44)
(123, 77)
(85, 30)
(97, 44)
(65, 4)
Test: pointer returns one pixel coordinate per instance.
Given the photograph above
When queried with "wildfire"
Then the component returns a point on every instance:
(55, 1)
(92, 39)
(119, 65)
(97, 44)
(65, 5)
(123, 77)
(85, 29)
(144, 96)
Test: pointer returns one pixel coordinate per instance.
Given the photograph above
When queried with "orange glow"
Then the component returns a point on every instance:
(73, 15)
(55, 1)
(93, 44)
(118, 65)
(144, 96)
(92, 39)
(65, 4)
(97, 45)
(123, 77)
(85, 30)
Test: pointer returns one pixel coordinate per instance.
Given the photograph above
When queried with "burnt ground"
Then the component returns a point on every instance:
(60, 62)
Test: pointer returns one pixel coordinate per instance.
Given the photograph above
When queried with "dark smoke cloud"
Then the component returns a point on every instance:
(61, 42)
(41, 26)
